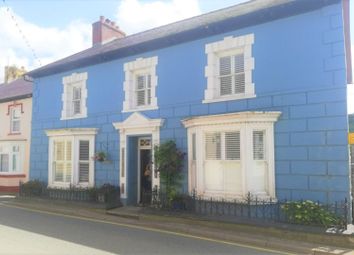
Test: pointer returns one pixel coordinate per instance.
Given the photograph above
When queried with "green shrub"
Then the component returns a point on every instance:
(310, 213)
(32, 188)
(169, 163)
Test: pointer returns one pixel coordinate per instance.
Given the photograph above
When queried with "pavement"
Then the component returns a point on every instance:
(266, 237)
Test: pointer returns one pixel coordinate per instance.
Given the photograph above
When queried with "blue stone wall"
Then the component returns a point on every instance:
(299, 70)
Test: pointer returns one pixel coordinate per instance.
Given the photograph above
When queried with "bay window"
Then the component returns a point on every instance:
(231, 155)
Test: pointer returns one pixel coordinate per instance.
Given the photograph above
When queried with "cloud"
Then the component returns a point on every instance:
(49, 44)
(135, 16)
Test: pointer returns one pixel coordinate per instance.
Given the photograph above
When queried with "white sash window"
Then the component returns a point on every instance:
(70, 157)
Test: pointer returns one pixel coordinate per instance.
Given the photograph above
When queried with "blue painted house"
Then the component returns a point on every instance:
(255, 94)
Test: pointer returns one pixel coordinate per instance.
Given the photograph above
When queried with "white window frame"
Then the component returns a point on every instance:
(71, 82)
(140, 66)
(245, 123)
(7, 149)
(75, 135)
(229, 46)
(13, 119)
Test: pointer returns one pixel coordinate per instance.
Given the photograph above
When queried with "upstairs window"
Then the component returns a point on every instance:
(74, 96)
(15, 120)
(229, 69)
(140, 85)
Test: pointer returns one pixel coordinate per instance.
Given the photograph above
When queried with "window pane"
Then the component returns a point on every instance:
(148, 96)
(76, 93)
(213, 176)
(4, 162)
(84, 169)
(232, 145)
(225, 66)
(84, 148)
(68, 150)
(213, 146)
(149, 81)
(258, 145)
(239, 83)
(140, 82)
(15, 126)
(226, 85)
(14, 162)
(140, 97)
(77, 106)
(58, 171)
(239, 63)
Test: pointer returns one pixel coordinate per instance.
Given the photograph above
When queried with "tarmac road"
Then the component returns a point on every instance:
(24, 231)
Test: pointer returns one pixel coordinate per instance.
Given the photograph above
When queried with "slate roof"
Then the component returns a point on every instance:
(15, 90)
(221, 21)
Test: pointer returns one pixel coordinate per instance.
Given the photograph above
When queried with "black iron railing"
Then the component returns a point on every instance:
(251, 208)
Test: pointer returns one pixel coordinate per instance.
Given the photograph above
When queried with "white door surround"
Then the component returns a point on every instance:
(136, 125)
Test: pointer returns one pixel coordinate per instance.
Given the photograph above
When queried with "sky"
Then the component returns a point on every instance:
(37, 32)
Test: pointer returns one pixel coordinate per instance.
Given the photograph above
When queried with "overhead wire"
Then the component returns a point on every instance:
(22, 34)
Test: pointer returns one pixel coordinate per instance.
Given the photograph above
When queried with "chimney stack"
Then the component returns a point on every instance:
(104, 31)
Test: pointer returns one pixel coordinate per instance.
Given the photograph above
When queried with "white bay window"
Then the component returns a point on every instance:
(231, 155)
(70, 157)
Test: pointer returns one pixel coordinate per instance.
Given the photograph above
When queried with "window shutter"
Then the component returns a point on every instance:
(239, 73)
(232, 146)
(194, 149)
(213, 146)
(258, 145)
(225, 76)
(84, 164)
(68, 163)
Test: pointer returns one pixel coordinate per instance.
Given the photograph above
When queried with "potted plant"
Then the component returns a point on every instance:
(100, 156)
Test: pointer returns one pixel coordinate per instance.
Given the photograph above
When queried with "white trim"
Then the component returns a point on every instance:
(75, 135)
(74, 80)
(137, 124)
(227, 47)
(131, 69)
(246, 123)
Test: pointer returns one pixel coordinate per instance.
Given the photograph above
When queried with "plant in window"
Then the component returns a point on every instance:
(100, 156)
(169, 163)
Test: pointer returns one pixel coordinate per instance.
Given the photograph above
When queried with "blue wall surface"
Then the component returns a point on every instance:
(299, 70)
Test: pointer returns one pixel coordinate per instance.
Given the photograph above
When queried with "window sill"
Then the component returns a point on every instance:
(228, 98)
(12, 175)
(74, 117)
(14, 133)
(141, 109)
(58, 185)
(229, 197)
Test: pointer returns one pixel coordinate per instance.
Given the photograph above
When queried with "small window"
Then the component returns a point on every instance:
(213, 146)
(231, 75)
(194, 149)
(74, 96)
(229, 69)
(140, 85)
(15, 120)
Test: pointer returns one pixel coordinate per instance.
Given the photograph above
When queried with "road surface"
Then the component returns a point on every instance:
(24, 231)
